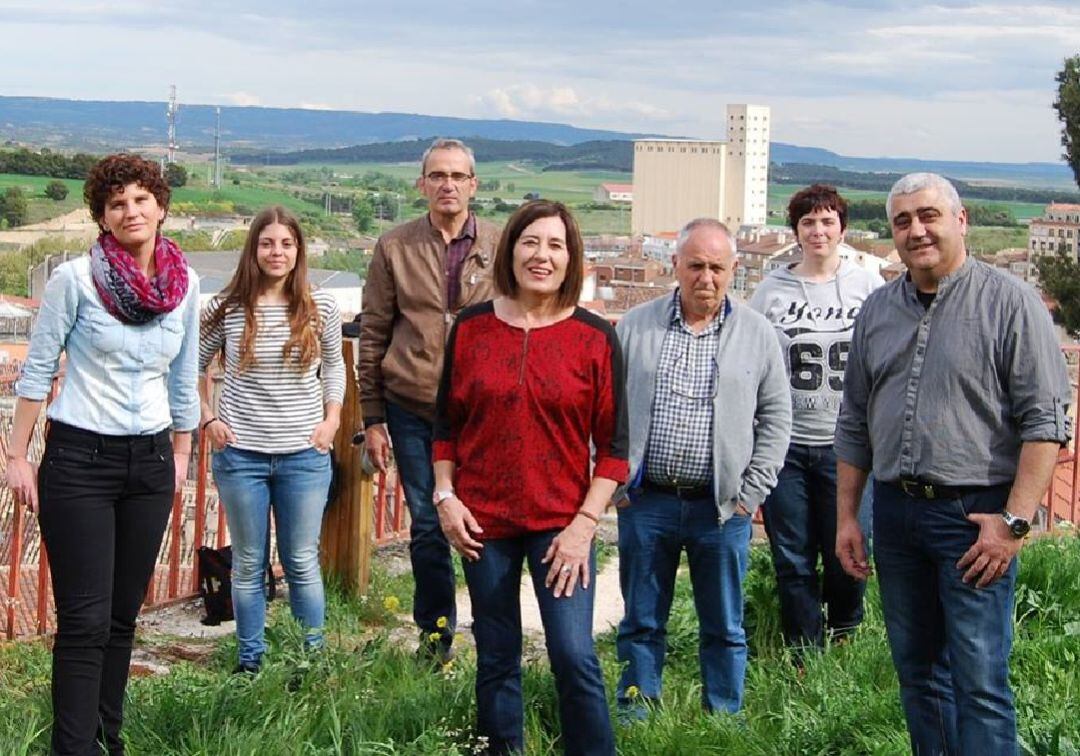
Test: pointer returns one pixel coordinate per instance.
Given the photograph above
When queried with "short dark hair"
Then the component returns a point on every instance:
(813, 198)
(523, 217)
(117, 171)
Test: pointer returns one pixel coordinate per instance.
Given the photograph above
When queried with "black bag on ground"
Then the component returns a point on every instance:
(215, 584)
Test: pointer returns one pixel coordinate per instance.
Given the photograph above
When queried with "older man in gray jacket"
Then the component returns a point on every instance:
(710, 420)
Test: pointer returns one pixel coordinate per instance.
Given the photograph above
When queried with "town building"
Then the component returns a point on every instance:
(676, 180)
(1057, 229)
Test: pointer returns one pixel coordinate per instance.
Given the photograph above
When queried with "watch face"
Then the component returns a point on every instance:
(1019, 527)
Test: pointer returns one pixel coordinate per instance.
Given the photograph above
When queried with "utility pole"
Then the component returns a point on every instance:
(217, 148)
(170, 113)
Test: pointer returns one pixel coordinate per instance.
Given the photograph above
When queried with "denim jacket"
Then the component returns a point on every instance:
(120, 379)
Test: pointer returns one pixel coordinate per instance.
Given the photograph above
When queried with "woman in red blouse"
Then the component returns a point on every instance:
(529, 380)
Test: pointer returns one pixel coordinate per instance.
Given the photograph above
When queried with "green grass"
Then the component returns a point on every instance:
(39, 207)
(366, 695)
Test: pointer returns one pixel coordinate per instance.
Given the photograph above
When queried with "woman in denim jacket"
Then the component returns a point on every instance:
(118, 439)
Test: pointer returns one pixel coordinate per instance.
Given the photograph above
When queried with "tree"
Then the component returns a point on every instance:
(363, 214)
(56, 190)
(1067, 106)
(175, 175)
(386, 206)
(1059, 276)
(13, 207)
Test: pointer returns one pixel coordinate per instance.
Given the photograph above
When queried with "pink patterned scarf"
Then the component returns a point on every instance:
(128, 295)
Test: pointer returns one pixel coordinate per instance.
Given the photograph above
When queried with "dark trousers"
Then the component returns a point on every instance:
(104, 503)
(429, 551)
(950, 641)
(800, 519)
(494, 583)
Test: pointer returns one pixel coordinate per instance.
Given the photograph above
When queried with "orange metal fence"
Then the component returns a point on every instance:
(26, 606)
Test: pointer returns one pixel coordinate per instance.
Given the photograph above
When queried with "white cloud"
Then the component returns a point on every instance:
(244, 99)
(530, 101)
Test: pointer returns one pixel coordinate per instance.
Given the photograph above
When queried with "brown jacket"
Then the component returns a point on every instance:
(406, 320)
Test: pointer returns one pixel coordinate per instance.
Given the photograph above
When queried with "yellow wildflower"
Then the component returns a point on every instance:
(434, 637)
(441, 622)
(391, 603)
(632, 692)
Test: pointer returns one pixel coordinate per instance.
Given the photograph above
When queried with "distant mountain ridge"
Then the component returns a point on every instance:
(95, 124)
(99, 126)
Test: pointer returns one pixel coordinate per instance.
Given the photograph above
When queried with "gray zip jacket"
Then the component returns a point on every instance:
(752, 408)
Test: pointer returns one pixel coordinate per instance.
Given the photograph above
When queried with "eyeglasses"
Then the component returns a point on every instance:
(437, 177)
(686, 384)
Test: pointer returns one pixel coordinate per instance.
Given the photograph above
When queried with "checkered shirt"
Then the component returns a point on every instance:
(679, 450)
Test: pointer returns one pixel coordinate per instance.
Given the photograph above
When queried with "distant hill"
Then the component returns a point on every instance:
(1035, 174)
(98, 126)
(607, 155)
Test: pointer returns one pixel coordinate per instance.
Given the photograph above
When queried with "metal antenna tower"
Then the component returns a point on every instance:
(217, 148)
(170, 112)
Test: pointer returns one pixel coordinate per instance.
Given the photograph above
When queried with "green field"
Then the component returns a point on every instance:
(247, 191)
(39, 207)
(780, 194)
(366, 694)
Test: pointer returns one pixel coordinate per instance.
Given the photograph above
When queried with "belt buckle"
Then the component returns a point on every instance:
(917, 489)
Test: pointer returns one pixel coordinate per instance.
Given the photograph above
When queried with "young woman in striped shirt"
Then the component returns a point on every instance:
(278, 414)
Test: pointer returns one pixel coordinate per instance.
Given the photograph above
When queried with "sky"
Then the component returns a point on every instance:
(945, 80)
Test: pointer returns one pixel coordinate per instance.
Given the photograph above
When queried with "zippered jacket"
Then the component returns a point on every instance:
(751, 411)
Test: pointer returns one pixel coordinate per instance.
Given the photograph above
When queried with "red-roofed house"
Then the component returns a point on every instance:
(614, 193)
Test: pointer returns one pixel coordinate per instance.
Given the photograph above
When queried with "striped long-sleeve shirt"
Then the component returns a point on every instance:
(273, 406)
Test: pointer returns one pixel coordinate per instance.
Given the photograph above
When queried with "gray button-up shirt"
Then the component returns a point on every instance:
(948, 393)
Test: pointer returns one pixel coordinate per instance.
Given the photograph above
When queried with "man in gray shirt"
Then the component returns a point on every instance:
(956, 396)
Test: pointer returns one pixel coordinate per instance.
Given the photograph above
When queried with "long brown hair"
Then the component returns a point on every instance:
(243, 291)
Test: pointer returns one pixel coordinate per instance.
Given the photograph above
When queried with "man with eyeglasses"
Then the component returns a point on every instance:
(422, 274)
(710, 420)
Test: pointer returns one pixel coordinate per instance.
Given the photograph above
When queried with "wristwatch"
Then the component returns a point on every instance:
(440, 496)
(1018, 526)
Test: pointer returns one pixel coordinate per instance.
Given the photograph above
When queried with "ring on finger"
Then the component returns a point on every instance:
(566, 569)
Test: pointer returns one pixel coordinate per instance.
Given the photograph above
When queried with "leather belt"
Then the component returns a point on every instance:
(683, 492)
(924, 489)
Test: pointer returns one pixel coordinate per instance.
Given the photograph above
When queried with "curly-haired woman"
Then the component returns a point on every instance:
(118, 440)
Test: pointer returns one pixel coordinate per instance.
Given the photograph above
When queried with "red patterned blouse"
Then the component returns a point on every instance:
(516, 412)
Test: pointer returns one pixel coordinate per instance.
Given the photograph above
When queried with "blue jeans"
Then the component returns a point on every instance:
(653, 530)
(950, 641)
(295, 486)
(429, 551)
(495, 589)
(800, 518)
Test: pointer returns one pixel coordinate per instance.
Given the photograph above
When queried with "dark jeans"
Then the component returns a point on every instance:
(800, 519)
(105, 501)
(950, 641)
(429, 551)
(653, 531)
(495, 589)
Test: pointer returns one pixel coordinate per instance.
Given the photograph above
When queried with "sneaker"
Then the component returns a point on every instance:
(246, 668)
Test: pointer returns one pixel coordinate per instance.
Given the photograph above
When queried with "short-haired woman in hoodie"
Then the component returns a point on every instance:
(813, 305)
